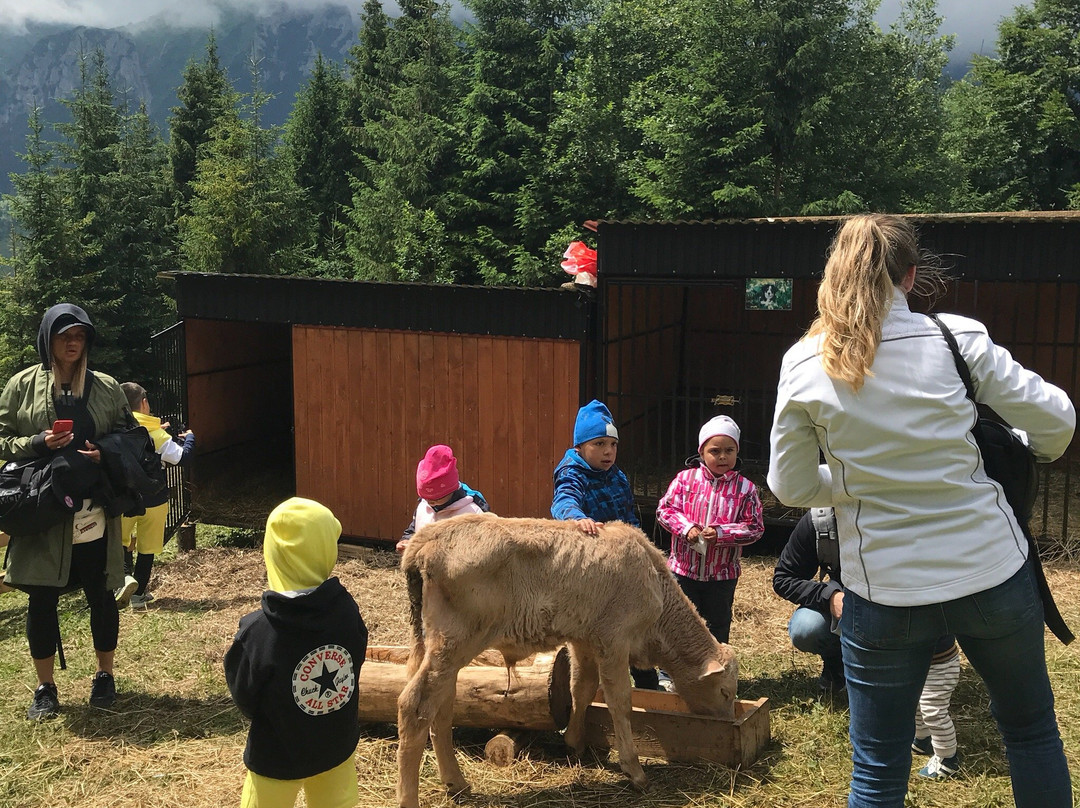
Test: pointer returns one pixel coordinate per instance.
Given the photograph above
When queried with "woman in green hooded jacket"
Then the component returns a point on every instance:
(84, 550)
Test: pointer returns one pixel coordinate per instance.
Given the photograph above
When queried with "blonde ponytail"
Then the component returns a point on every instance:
(870, 255)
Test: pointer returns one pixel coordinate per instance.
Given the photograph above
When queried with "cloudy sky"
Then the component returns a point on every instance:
(974, 23)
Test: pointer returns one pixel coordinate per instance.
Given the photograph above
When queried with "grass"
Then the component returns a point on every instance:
(174, 738)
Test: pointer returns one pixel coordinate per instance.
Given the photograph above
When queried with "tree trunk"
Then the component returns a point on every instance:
(535, 696)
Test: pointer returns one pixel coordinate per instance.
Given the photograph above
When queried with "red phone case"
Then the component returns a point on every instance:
(62, 425)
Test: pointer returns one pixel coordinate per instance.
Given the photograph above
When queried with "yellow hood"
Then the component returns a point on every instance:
(300, 545)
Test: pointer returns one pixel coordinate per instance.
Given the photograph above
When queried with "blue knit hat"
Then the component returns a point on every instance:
(594, 421)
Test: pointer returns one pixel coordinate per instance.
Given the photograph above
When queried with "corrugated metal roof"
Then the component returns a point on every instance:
(503, 311)
(1031, 245)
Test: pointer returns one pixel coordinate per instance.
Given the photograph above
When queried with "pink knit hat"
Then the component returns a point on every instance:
(436, 475)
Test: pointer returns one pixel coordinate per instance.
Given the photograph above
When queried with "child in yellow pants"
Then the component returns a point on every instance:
(294, 667)
(144, 536)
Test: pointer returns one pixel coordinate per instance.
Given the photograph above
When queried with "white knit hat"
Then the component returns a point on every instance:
(720, 425)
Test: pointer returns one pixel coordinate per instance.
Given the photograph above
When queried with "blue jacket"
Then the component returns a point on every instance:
(582, 492)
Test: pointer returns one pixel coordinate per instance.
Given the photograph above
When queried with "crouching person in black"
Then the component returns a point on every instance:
(294, 667)
(808, 574)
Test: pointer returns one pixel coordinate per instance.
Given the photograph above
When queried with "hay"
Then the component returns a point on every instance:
(175, 739)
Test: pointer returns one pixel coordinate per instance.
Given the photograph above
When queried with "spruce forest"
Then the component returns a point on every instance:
(472, 153)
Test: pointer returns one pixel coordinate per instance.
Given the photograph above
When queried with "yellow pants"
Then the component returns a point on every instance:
(335, 788)
(149, 530)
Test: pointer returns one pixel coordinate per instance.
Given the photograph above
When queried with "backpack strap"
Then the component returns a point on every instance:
(828, 539)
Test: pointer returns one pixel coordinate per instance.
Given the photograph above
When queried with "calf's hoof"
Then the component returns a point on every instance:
(460, 789)
(575, 744)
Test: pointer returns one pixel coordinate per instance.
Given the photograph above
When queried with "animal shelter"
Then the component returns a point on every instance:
(338, 387)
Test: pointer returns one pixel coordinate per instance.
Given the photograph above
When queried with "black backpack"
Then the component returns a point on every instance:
(40, 492)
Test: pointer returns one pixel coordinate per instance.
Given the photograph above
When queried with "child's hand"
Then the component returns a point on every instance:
(709, 535)
(401, 545)
(589, 527)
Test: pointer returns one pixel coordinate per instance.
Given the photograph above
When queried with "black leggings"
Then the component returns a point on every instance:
(713, 600)
(88, 571)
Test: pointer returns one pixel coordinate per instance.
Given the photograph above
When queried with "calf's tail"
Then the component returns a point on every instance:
(415, 585)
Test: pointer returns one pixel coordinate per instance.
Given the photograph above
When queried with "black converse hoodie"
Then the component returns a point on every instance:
(294, 666)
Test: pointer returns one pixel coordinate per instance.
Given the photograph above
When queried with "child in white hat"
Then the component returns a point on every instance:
(712, 512)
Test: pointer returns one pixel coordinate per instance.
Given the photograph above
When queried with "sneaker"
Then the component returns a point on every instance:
(124, 593)
(45, 703)
(923, 746)
(941, 768)
(141, 600)
(665, 681)
(102, 690)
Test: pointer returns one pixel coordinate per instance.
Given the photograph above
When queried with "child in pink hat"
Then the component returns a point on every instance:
(441, 492)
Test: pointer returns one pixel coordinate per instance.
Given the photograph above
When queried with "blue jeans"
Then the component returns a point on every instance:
(810, 631)
(887, 653)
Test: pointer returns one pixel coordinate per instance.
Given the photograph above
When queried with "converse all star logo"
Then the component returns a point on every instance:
(323, 680)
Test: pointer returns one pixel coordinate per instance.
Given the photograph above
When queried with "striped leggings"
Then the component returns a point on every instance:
(932, 718)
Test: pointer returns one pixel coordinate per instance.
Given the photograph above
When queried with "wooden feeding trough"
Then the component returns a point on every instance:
(665, 728)
(535, 695)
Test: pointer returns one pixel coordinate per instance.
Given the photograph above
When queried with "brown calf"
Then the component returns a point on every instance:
(526, 585)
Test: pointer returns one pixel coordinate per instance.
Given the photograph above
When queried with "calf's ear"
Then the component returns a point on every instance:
(712, 668)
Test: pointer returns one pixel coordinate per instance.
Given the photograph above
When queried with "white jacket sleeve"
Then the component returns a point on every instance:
(171, 452)
(795, 476)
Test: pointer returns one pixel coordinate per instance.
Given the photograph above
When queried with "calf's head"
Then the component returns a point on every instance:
(711, 689)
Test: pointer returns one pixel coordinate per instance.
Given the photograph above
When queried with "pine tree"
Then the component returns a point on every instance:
(94, 227)
(246, 212)
(47, 251)
(517, 50)
(205, 95)
(396, 228)
(321, 154)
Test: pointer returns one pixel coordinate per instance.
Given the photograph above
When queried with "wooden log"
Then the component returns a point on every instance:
(664, 727)
(503, 748)
(535, 696)
(185, 537)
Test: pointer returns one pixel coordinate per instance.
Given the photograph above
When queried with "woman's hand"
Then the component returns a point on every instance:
(91, 453)
(58, 440)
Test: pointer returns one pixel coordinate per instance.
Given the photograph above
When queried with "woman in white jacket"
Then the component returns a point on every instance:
(928, 544)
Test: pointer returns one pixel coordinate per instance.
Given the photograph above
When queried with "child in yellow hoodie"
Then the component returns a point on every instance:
(146, 534)
(294, 666)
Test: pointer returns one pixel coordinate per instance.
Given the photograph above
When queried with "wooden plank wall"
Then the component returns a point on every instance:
(368, 404)
(239, 382)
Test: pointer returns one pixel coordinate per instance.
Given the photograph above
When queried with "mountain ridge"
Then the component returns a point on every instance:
(39, 65)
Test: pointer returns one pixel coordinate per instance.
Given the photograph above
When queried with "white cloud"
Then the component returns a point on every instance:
(118, 13)
(974, 23)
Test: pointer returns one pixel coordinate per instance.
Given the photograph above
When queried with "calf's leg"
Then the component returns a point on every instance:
(584, 680)
(616, 682)
(444, 684)
(413, 725)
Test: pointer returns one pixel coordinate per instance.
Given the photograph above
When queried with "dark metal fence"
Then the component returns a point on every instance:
(673, 355)
(169, 399)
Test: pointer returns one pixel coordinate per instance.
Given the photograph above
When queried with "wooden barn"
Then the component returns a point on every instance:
(340, 386)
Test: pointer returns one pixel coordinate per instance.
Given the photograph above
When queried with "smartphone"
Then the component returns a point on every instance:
(62, 425)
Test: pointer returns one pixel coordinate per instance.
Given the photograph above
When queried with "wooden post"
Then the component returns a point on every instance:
(185, 537)
(534, 696)
(503, 748)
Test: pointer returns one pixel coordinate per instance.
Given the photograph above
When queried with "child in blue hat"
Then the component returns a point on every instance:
(589, 488)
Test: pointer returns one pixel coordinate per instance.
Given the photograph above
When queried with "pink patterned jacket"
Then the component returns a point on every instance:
(729, 503)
